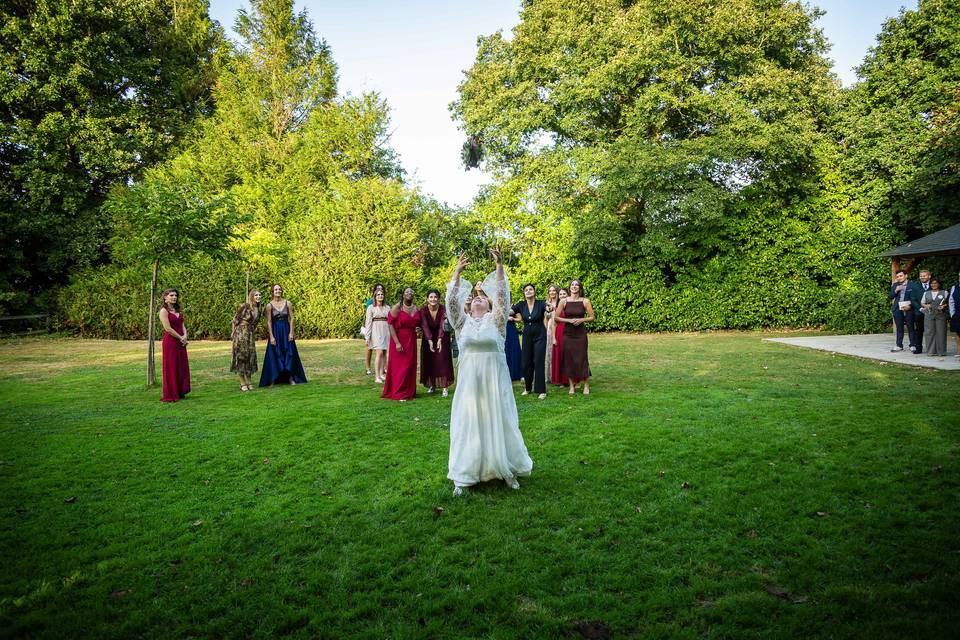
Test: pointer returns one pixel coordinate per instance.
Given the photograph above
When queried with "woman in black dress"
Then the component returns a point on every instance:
(533, 314)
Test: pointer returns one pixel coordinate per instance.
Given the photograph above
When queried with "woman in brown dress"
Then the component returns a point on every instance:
(574, 312)
(245, 339)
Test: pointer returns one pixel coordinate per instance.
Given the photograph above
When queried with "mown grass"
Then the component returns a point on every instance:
(713, 485)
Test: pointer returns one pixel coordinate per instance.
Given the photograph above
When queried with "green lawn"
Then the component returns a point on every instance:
(712, 485)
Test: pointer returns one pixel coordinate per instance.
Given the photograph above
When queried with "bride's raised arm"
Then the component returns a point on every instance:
(456, 292)
(501, 302)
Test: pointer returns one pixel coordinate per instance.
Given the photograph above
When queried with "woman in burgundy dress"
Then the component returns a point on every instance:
(403, 320)
(574, 312)
(175, 369)
(556, 327)
(436, 359)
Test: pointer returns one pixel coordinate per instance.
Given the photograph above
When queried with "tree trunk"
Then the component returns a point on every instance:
(151, 326)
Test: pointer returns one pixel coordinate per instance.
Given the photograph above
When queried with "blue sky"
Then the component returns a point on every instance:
(414, 52)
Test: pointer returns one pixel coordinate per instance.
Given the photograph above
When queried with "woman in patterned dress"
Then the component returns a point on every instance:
(244, 336)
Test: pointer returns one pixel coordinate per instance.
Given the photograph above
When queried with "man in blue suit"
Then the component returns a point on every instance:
(906, 302)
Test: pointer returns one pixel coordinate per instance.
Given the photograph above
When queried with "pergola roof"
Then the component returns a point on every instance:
(942, 243)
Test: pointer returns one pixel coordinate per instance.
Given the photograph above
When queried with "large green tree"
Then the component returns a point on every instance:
(900, 126)
(91, 93)
(326, 211)
(652, 119)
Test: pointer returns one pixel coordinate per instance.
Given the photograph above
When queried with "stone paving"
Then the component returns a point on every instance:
(877, 347)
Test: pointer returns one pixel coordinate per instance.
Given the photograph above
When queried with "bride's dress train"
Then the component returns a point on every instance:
(485, 440)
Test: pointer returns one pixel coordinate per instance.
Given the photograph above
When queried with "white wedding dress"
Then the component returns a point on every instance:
(485, 440)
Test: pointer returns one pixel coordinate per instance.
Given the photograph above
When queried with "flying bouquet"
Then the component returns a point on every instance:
(472, 153)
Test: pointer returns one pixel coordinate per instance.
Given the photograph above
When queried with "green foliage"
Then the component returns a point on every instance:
(364, 232)
(112, 301)
(163, 220)
(91, 93)
(299, 184)
(900, 125)
(651, 116)
(858, 312)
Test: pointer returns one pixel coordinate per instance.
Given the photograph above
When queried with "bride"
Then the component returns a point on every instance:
(485, 440)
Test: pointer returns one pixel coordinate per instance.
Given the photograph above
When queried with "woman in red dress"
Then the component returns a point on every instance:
(403, 320)
(175, 370)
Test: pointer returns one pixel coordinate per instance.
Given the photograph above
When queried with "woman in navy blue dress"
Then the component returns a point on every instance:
(511, 348)
(281, 362)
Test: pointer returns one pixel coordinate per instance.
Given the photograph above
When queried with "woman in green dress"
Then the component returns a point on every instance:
(244, 335)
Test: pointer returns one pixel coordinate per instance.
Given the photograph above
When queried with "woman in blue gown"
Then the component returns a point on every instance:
(281, 362)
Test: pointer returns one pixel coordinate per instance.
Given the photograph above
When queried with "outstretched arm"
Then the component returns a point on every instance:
(454, 302)
(500, 305)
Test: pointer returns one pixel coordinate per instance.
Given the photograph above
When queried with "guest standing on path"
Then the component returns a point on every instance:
(919, 319)
(906, 302)
(244, 336)
(403, 320)
(934, 305)
(485, 439)
(175, 368)
(533, 314)
(378, 333)
(576, 311)
(436, 360)
(556, 364)
(281, 363)
(954, 306)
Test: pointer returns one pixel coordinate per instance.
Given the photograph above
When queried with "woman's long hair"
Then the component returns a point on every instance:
(163, 300)
(249, 304)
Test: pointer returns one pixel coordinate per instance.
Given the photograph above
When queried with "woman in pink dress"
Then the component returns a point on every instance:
(175, 370)
(403, 320)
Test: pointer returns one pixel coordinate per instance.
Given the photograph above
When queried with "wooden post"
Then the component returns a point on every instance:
(151, 324)
(894, 267)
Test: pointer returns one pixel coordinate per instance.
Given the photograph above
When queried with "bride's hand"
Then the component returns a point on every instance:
(462, 262)
(495, 252)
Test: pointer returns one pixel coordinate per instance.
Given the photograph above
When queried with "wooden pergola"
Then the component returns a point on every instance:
(942, 243)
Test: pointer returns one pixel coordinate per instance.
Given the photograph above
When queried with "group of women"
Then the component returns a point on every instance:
(554, 342)
(391, 334)
(281, 361)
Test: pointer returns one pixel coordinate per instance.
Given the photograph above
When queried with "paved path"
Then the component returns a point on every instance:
(877, 347)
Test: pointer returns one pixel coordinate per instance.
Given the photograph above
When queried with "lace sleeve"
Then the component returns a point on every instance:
(499, 291)
(457, 293)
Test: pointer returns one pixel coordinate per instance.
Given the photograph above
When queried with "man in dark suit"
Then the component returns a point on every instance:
(906, 304)
(918, 318)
